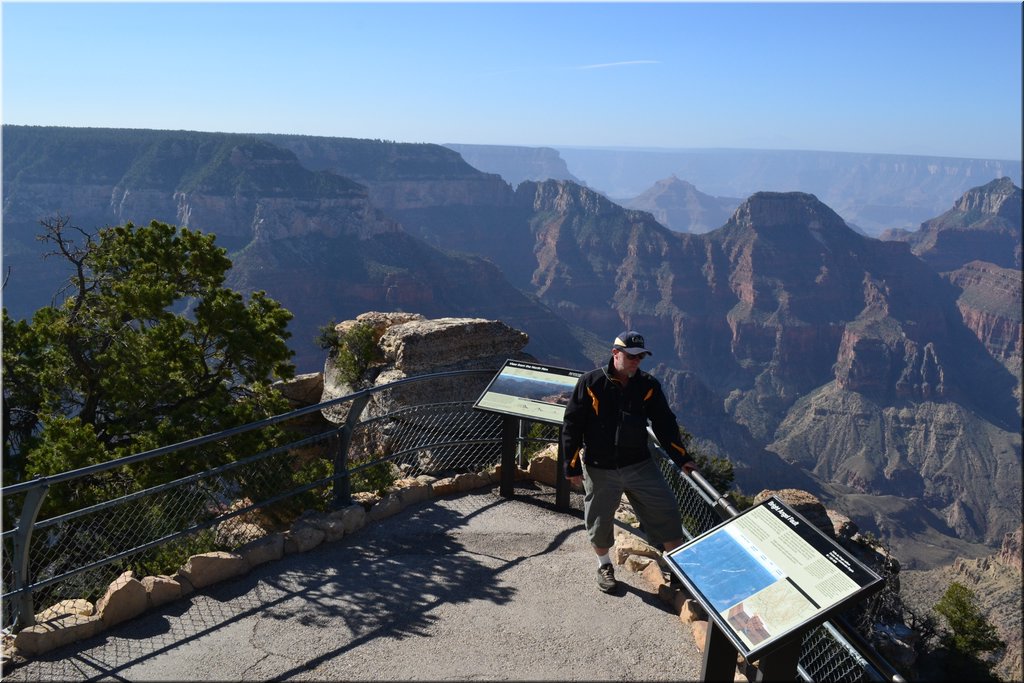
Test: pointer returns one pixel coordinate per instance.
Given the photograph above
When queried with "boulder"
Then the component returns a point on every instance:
(125, 598)
(302, 537)
(161, 590)
(385, 507)
(413, 347)
(261, 550)
(653, 575)
(366, 499)
(469, 481)
(843, 528)
(700, 633)
(412, 491)
(334, 529)
(352, 517)
(444, 487)
(627, 544)
(673, 597)
(691, 611)
(208, 568)
(64, 608)
(302, 390)
(637, 563)
(543, 467)
(43, 637)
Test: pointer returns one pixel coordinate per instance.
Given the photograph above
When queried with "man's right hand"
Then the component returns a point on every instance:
(576, 481)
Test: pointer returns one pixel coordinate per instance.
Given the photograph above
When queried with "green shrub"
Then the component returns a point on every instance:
(969, 632)
(354, 351)
(169, 557)
(376, 478)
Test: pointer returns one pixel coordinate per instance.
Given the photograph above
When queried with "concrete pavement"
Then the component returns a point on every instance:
(467, 587)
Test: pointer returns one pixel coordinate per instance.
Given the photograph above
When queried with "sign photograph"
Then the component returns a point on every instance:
(767, 573)
(537, 392)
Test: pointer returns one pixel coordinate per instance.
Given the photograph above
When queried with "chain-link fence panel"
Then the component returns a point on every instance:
(154, 530)
(433, 439)
(696, 508)
(826, 657)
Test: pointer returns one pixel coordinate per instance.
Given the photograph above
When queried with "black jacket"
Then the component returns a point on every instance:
(611, 422)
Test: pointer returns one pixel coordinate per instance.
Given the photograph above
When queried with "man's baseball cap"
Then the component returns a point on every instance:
(632, 342)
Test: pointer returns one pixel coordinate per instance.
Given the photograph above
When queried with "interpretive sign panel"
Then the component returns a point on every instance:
(767, 573)
(537, 392)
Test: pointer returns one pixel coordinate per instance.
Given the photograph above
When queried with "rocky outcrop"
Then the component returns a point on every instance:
(937, 456)
(681, 207)
(884, 368)
(1010, 553)
(421, 346)
(410, 344)
(984, 224)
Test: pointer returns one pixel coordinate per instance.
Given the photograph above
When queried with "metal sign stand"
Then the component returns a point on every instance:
(720, 659)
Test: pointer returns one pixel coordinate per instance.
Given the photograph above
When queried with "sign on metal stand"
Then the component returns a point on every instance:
(534, 392)
(764, 578)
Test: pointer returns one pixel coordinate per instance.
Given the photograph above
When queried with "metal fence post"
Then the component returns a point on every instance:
(342, 482)
(509, 432)
(520, 456)
(26, 614)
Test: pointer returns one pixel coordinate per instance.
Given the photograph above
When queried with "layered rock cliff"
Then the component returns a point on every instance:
(821, 348)
(990, 302)
(400, 176)
(874, 191)
(516, 164)
(312, 238)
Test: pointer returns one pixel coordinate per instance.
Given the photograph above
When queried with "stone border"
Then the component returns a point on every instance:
(128, 596)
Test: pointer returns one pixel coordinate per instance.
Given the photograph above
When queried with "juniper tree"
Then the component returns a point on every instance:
(143, 347)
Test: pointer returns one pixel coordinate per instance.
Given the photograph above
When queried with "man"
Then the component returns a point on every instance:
(604, 438)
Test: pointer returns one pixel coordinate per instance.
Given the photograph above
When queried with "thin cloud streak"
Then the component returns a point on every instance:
(505, 72)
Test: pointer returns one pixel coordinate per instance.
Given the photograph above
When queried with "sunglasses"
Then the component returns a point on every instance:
(633, 356)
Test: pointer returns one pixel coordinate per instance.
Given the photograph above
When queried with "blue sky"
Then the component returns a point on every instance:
(940, 79)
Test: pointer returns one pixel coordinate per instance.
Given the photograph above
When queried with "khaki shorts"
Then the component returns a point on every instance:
(652, 500)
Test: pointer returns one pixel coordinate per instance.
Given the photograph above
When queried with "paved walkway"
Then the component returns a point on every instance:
(468, 587)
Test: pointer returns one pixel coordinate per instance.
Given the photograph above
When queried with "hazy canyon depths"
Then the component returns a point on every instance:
(881, 375)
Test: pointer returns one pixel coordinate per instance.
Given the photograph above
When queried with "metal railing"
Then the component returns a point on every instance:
(51, 553)
(314, 465)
